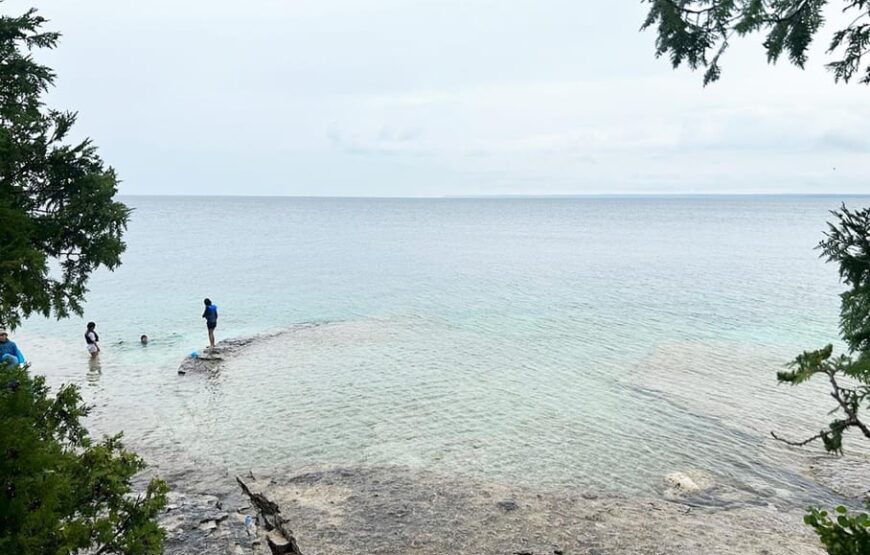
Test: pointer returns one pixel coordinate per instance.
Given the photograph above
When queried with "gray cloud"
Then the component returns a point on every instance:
(435, 97)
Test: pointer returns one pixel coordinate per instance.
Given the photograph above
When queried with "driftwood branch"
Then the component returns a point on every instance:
(285, 543)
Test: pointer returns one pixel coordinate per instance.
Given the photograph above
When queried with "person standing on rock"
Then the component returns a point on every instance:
(92, 340)
(211, 315)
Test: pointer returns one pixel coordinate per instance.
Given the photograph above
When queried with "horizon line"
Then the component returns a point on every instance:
(509, 196)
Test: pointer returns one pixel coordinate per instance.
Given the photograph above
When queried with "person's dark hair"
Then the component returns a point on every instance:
(207, 301)
(91, 325)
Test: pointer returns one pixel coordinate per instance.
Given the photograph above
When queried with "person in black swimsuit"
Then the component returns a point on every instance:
(92, 340)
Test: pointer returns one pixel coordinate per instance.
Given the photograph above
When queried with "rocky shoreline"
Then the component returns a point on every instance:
(398, 510)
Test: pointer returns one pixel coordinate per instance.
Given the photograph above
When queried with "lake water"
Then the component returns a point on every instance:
(588, 342)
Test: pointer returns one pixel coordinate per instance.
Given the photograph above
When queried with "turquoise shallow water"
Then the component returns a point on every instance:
(594, 342)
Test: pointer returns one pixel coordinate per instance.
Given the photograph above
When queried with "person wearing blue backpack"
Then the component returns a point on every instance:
(9, 352)
(211, 316)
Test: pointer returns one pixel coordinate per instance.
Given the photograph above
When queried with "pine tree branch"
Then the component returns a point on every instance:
(846, 424)
(699, 11)
(819, 435)
(803, 5)
(851, 411)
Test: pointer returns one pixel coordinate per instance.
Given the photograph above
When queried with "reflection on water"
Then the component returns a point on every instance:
(95, 370)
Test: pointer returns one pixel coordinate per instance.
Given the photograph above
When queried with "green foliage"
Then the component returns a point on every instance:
(60, 492)
(847, 243)
(698, 32)
(806, 365)
(845, 534)
(56, 199)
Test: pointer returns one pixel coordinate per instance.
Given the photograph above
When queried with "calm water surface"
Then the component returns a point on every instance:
(592, 343)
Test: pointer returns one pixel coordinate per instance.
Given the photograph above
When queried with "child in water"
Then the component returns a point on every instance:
(92, 340)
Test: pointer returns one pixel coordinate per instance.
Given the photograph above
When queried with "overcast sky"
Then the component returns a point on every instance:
(438, 97)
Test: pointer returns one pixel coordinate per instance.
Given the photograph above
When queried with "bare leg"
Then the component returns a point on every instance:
(211, 337)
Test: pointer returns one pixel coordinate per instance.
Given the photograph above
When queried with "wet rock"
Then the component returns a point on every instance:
(209, 360)
(681, 482)
(205, 362)
(687, 482)
(508, 505)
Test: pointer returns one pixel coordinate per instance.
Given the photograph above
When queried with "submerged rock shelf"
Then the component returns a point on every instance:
(399, 510)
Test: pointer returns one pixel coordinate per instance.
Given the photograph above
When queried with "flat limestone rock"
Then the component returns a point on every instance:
(210, 360)
(348, 511)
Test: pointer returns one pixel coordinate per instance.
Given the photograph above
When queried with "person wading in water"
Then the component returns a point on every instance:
(92, 340)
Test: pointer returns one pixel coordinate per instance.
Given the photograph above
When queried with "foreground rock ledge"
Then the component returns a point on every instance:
(279, 536)
(401, 511)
